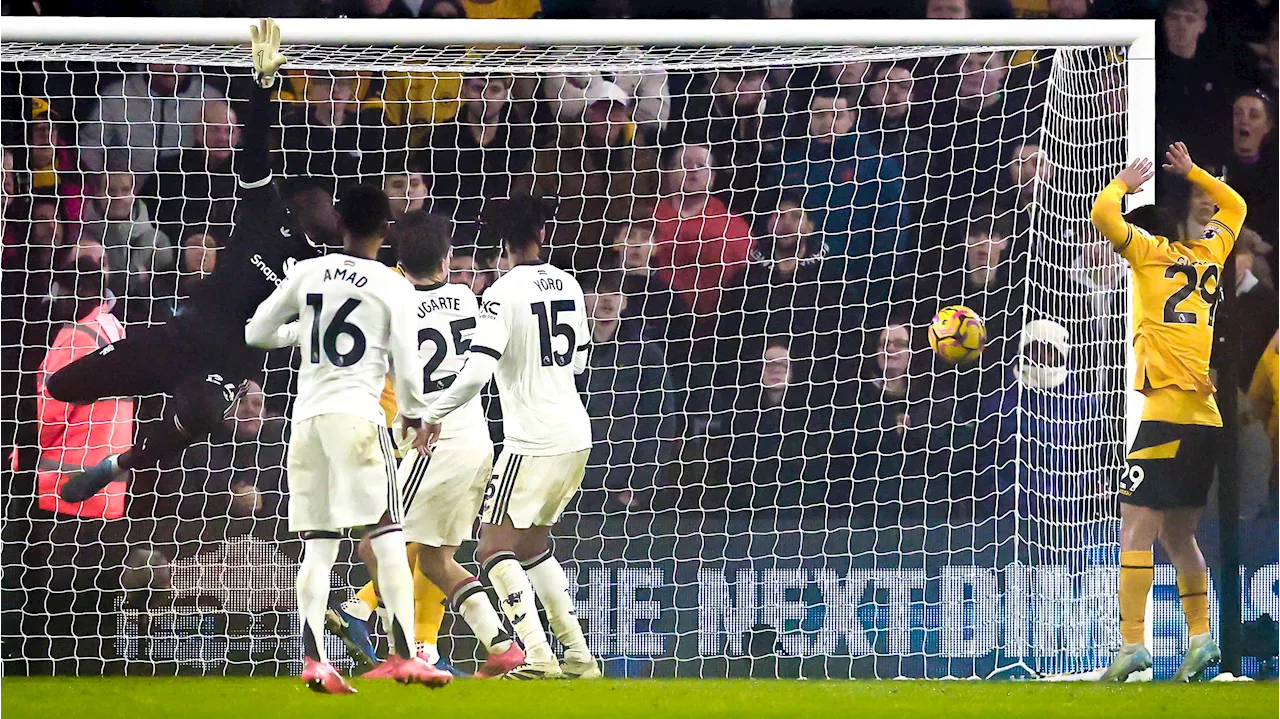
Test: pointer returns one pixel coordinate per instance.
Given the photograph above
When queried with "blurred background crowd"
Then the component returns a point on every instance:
(761, 251)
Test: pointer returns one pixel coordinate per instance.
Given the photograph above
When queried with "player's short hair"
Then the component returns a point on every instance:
(516, 222)
(422, 241)
(365, 211)
(1155, 220)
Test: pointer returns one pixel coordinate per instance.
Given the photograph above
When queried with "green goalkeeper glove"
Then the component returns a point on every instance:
(265, 40)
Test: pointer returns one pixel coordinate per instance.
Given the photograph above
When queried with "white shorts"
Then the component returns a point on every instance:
(532, 491)
(442, 493)
(341, 474)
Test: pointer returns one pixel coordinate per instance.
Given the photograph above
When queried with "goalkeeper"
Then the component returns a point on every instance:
(199, 357)
(1177, 286)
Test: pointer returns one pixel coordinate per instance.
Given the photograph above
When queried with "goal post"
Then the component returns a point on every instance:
(785, 481)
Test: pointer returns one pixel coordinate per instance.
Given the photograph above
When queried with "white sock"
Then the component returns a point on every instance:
(429, 651)
(357, 609)
(515, 594)
(384, 621)
(472, 602)
(312, 584)
(395, 585)
(549, 581)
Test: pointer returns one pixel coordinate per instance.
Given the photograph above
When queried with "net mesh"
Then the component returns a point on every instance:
(785, 480)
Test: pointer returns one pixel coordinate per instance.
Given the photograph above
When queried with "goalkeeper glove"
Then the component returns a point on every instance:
(265, 40)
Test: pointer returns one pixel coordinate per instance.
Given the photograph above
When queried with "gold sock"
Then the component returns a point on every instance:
(1137, 572)
(428, 605)
(1194, 591)
(369, 595)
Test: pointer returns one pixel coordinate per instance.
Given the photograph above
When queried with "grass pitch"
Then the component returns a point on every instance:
(254, 698)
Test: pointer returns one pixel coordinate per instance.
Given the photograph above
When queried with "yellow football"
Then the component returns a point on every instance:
(957, 334)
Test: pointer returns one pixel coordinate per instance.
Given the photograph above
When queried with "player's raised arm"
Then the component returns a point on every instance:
(254, 166)
(1231, 206)
(1108, 213)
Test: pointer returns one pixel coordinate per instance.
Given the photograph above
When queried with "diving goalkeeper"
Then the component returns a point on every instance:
(1177, 287)
(199, 357)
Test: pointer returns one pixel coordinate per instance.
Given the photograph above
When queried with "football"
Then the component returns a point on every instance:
(957, 334)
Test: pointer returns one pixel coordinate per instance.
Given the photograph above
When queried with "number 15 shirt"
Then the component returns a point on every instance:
(533, 323)
(1177, 287)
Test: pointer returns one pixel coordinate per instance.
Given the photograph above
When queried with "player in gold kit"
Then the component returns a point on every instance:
(1177, 286)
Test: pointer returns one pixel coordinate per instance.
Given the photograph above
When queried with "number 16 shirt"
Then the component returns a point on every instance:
(356, 323)
(533, 322)
(1177, 287)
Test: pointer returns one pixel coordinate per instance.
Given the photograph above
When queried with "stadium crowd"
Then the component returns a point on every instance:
(761, 249)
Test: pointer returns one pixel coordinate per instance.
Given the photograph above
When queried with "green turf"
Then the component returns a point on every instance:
(135, 698)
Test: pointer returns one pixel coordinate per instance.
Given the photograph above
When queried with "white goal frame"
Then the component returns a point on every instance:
(1136, 36)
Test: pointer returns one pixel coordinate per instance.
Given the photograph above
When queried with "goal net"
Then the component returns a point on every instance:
(785, 480)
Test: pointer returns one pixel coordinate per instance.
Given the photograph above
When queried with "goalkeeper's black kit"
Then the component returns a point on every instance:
(199, 357)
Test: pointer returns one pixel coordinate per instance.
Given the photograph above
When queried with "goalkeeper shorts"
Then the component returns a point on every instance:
(1170, 465)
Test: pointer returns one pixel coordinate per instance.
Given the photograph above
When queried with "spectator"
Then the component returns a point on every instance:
(1039, 428)
(149, 113)
(600, 175)
(324, 136)
(1256, 303)
(1016, 190)
(199, 257)
(8, 228)
(465, 268)
(1252, 164)
(569, 96)
(782, 294)
(479, 155)
(627, 394)
(1071, 9)
(406, 187)
(197, 186)
(75, 437)
(761, 434)
(852, 192)
(988, 283)
(702, 247)
(51, 161)
(890, 123)
(136, 248)
(46, 232)
(384, 9)
(662, 315)
(947, 10)
(742, 119)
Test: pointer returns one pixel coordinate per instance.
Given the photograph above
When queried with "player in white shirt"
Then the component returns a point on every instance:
(355, 323)
(442, 493)
(532, 334)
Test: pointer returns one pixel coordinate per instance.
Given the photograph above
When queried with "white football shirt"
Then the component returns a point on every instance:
(446, 316)
(356, 323)
(533, 320)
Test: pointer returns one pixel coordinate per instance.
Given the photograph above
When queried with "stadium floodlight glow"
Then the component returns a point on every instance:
(922, 564)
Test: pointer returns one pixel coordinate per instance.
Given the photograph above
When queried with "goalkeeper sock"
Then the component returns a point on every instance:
(1137, 572)
(549, 581)
(312, 583)
(365, 601)
(1193, 589)
(471, 601)
(515, 594)
(395, 584)
(428, 607)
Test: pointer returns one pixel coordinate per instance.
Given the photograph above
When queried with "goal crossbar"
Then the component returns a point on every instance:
(1138, 35)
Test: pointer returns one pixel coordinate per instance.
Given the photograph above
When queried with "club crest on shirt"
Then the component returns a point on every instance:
(1210, 233)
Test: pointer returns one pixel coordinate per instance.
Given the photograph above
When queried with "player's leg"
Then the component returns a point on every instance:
(1177, 536)
(498, 561)
(559, 478)
(145, 362)
(311, 515)
(428, 610)
(438, 565)
(378, 487)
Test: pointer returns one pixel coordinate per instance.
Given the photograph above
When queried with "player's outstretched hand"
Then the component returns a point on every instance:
(1178, 159)
(1136, 174)
(265, 40)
